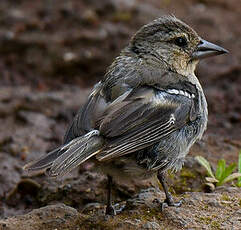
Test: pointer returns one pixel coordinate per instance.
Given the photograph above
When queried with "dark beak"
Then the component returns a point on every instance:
(207, 49)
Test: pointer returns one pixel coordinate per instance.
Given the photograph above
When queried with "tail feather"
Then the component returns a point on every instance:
(44, 162)
(75, 155)
(65, 158)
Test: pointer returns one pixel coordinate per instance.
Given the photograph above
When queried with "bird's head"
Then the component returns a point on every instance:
(174, 44)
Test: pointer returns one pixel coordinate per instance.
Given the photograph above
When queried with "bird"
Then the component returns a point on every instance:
(142, 118)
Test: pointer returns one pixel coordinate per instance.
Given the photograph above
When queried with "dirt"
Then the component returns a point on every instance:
(50, 56)
(220, 210)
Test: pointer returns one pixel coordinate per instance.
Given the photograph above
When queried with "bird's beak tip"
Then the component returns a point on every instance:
(225, 51)
(207, 49)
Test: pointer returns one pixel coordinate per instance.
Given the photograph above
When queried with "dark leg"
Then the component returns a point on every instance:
(109, 209)
(169, 200)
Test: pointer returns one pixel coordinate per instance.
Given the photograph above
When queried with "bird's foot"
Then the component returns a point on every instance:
(168, 203)
(114, 209)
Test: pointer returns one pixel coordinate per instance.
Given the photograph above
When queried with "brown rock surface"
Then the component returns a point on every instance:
(219, 210)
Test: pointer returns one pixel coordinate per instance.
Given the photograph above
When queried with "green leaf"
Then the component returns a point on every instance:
(229, 170)
(231, 177)
(239, 168)
(205, 164)
(226, 173)
(220, 169)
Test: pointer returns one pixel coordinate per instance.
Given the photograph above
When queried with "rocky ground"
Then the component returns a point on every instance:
(50, 54)
(220, 210)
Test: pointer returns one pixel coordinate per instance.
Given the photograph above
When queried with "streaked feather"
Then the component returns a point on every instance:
(76, 154)
(65, 158)
(44, 162)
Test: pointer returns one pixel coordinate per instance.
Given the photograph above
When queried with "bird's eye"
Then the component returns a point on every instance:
(180, 41)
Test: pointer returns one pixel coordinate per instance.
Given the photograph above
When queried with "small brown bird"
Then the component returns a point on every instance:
(144, 116)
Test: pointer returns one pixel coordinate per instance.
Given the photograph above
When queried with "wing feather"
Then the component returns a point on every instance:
(133, 121)
(152, 118)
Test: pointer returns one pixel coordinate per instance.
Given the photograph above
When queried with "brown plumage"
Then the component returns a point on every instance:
(146, 113)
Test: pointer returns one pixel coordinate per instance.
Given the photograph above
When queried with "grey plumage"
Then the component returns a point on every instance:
(147, 111)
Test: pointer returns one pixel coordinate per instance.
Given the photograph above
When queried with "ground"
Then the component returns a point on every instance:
(50, 56)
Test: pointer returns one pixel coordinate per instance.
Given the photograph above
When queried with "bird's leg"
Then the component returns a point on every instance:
(169, 200)
(110, 210)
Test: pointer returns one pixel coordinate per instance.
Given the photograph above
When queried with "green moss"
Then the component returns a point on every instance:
(215, 225)
(180, 185)
(225, 197)
(153, 213)
(171, 175)
(205, 219)
(185, 195)
(206, 207)
(186, 180)
(188, 173)
(144, 213)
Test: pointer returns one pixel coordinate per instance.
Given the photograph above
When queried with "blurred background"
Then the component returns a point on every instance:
(53, 52)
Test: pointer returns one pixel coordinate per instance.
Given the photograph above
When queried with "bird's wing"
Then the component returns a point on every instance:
(139, 119)
(84, 120)
(87, 117)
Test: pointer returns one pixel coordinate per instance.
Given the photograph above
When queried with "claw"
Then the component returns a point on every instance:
(168, 203)
(119, 208)
(114, 209)
(171, 202)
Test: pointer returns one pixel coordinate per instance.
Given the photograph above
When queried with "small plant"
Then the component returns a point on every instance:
(239, 170)
(223, 173)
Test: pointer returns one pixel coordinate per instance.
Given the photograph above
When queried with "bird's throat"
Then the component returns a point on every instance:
(186, 69)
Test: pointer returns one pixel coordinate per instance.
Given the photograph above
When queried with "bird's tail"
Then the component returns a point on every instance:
(65, 158)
